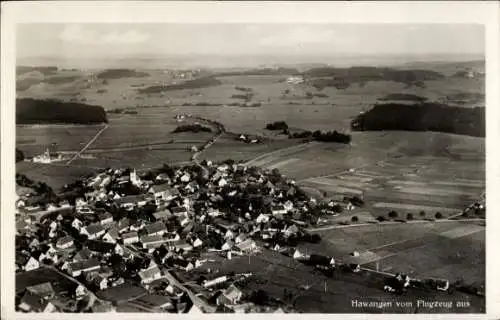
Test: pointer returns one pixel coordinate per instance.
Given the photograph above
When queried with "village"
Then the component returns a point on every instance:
(120, 226)
(154, 230)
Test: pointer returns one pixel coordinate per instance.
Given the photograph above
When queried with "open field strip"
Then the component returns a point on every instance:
(462, 231)
(434, 191)
(341, 183)
(283, 163)
(402, 206)
(355, 178)
(281, 153)
(409, 182)
(478, 184)
(334, 189)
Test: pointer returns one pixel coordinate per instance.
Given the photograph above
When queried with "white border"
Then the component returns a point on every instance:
(485, 12)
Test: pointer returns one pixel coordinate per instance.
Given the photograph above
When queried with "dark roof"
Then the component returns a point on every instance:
(43, 289)
(83, 254)
(123, 223)
(129, 235)
(94, 228)
(162, 214)
(161, 187)
(81, 265)
(319, 259)
(36, 302)
(64, 240)
(131, 199)
(155, 227)
(105, 216)
(100, 246)
(178, 209)
(149, 239)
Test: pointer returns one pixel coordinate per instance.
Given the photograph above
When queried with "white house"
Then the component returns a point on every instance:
(262, 218)
(64, 242)
(93, 231)
(213, 282)
(130, 237)
(150, 274)
(76, 268)
(108, 238)
(32, 264)
(279, 210)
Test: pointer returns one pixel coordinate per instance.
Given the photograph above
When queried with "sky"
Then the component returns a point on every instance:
(109, 41)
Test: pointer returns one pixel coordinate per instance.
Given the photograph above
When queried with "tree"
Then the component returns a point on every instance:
(393, 214)
(439, 215)
(409, 216)
(381, 218)
(422, 213)
(259, 297)
(354, 219)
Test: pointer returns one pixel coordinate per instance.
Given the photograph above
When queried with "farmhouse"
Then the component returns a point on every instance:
(231, 295)
(157, 228)
(105, 218)
(82, 255)
(280, 209)
(149, 242)
(214, 282)
(162, 214)
(34, 303)
(130, 237)
(247, 245)
(130, 202)
(44, 290)
(123, 225)
(161, 192)
(93, 231)
(149, 275)
(76, 268)
(31, 264)
(64, 242)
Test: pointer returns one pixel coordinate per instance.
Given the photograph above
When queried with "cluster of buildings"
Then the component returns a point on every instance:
(124, 227)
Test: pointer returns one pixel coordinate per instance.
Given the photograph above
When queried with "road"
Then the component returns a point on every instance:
(391, 222)
(106, 126)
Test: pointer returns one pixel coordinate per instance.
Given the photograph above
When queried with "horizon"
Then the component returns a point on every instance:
(245, 45)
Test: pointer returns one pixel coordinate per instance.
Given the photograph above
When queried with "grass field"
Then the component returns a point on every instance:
(122, 293)
(41, 275)
(422, 250)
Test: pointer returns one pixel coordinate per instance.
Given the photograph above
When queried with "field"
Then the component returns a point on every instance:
(448, 249)
(122, 293)
(407, 172)
(41, 275)
(273, 273)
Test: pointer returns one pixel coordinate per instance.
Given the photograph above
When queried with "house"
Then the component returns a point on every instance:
(64, 242)
(161, 192)
(105, 218)
(139, 225)
(229, 235)
(162, 214)
(222, 182)
(123, 225)
(93, 231)
(80, 292)
(101, 247)
(31, 264)
(162, 177)
(157, 228)
(34, 243)
(107, 237)
(44, 290)
(182, 245)
(280, 209)
(76, 268)
(231, 295)
(291, 230)
(186, 177)
(297, 255)
(130, 237)
(247, 245)
(213, 212)
(262, 218)
(34, 303)
(228, 245)
(150, 274)
(240, 238)
(130, 202)
(149, 242)
(98, 280)
(197, 243)
(179, 211)
(183, 265)
(214, 282)
(77, 224)
(82, 255)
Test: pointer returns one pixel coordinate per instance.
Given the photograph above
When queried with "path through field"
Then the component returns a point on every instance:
(88, 144)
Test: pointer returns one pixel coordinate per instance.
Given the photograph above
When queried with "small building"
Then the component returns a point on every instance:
(149, 275)
(248, 245)
(107, 237)
(31, 264)
(150, 242)
(179, 211)
(131, 202)
(214, 282)
(157, 228)
(130, 237)
(44, 290)
(184, 246)
(162, 214)
(161, 192)
(280, 209)
(105, 218)
(76, 268)
(64, 242)
(34, 303)
(93, 231)
(231, 295)
(77, 224)
(123, 225)
(101, 247)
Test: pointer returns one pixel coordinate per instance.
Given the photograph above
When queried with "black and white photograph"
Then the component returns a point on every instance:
(252, 167)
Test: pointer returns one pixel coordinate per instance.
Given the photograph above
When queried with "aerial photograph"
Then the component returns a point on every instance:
(250, 168)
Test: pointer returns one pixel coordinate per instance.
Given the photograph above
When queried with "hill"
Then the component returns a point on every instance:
(37, 111)
(343, 77)
(422, 117)
(121, 73)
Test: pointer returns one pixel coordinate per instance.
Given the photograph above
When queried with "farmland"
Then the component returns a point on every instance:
(409, 173)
